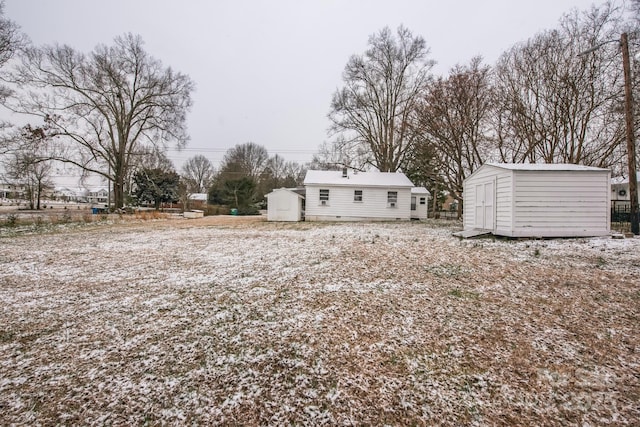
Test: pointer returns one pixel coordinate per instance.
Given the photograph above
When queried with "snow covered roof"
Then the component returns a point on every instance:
(198, 196)
(288, 190)
(419, 190)
(363, 179)
(544, 167)
(622, 179)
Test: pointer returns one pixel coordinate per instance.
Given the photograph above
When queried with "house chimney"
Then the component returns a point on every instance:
(344, 172)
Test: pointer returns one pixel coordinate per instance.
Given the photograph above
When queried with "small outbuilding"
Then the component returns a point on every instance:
(285, 204)
(538, 200)
(419, 199)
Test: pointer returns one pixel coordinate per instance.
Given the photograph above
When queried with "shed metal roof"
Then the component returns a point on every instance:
(544, 167)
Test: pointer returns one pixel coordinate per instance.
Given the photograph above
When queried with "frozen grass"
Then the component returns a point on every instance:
(246, 322)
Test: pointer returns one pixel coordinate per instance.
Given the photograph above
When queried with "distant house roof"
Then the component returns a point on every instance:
(364, 179)
(198, 196)
(544, 167)
(622, 179)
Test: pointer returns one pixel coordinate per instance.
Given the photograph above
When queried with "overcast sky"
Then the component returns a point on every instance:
(265, 71)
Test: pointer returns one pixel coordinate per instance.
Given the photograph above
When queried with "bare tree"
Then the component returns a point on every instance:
(108, 106)
(454, 119)
(198, 173)
(28, 163)
(280, 173)
(373, 109)
(12, 40)
(558, 105)
(247, 159)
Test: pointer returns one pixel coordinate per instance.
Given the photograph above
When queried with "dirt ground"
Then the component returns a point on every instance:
(236, 321)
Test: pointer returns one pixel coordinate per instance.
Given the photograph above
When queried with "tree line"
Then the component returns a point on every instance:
(550, 99)
(115, 111)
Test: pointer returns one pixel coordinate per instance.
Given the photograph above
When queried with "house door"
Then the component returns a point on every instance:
(484, 206)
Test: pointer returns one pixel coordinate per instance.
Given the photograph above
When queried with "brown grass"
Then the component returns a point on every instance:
(236, 321)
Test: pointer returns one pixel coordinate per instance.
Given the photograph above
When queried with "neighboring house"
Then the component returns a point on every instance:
(620, 193)
(11, 191)
(285, 204)
(198, 200)
(419, 205)
(538, 200)
(67, 194)
(198, 197)
(352, 196)
(98, 195)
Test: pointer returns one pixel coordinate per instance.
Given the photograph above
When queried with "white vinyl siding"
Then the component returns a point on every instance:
(558, 203)
(542, 203)
(372, 207)
(284, 205)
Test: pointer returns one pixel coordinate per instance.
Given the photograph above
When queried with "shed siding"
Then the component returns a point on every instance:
(284, 205)
(503, 194)
(342, 207)
(561, 203)
(504, 201)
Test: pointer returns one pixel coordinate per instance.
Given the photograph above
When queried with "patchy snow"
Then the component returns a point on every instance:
(239, 321)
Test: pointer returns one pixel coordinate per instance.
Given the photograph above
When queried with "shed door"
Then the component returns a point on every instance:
(484, 208)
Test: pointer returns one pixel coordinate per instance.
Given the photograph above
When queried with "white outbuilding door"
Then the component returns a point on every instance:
(484, 208)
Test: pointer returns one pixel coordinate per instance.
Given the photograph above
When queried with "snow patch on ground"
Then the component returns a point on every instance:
(192, 322)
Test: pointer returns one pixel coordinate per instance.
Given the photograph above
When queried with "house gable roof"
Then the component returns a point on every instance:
(360, 179)
(420, 190)
(287, 190)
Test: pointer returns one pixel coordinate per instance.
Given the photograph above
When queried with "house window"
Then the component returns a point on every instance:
(357, 195)
(392, 199)
(413, 203)
(324, 196)
(423, 200)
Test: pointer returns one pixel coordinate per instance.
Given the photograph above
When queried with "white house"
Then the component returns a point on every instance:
(419, 206)
(284, 204)
(620, 197)
(352, 196)
(538, 200)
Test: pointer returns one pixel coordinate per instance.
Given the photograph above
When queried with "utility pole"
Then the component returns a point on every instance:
(631, 143)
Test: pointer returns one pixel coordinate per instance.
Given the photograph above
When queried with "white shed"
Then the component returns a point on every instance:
(419, 206)
(538, 200)
(356, 196)
(284, 204)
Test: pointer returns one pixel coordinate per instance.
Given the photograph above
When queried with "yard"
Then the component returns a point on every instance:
(234, 320)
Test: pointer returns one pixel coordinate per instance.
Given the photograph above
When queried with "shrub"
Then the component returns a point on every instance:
(12, 220)
(248, 210)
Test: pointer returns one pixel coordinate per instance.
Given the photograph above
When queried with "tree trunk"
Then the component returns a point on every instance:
(118, 194)
(435, 199)
(38, 195)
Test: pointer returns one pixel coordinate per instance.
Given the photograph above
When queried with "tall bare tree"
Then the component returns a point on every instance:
(381, 89)
(453, 119)
(12, 40)
(558, 105)
(244, 160)
(198, 174)
(108, 105)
